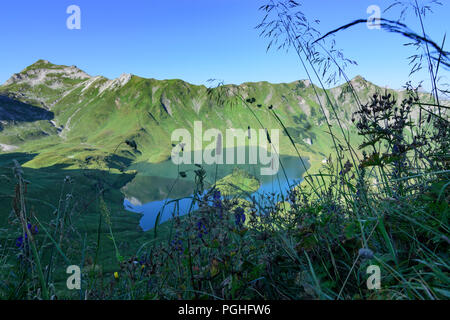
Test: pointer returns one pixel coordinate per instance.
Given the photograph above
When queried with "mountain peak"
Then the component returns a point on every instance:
(359, 78)
(45, 72)
(45, 64)
(40, 64)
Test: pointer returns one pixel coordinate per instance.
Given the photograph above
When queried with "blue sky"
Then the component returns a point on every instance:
(195, 40)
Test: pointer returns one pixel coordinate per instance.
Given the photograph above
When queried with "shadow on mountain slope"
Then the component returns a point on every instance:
(14, 110)
(77, 194)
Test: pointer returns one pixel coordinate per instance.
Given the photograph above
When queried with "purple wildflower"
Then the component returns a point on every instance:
(201, 229)
(239, 216)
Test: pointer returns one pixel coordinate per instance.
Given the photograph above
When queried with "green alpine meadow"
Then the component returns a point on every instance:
(131, 187)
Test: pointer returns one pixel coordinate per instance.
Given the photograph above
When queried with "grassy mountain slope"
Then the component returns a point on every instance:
(82, 116)
(90, 116)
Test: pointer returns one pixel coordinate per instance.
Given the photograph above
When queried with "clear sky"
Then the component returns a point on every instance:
(195, 40)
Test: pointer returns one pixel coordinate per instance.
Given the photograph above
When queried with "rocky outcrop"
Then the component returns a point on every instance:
(47, 76)
(116, 83)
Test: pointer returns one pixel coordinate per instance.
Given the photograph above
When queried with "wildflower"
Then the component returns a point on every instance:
(346, 169)
(201, 229)
(216, 195)
(239, 217)
(217, 202)
(365, 253)
(33, 229)
(116, 275)
(177, 245)
(396, 149)
(144, 261)
(333, 208)
(20, 241)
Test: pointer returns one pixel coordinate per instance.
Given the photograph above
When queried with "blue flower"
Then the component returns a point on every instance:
(239, 217)
(395, 149)
(177, 245)
(34, 230)
(19, 242)
(201, 229)
(217, 195)
(217, 202)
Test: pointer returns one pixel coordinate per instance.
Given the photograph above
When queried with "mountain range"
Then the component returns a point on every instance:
(64, 115)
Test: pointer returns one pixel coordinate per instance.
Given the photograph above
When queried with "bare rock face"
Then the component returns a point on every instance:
(165, 103)
(116, 83)
(7, 147)
(304, 106)
(359, 83)
(307, 83)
